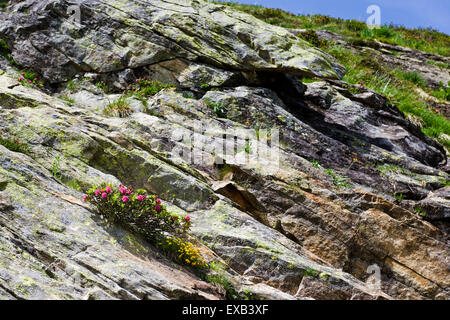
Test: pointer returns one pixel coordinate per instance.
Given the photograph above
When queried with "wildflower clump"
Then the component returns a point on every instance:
(184, 251)
(144, 213)
(29, 79)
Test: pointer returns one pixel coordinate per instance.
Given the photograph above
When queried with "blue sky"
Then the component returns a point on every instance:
(409, 13)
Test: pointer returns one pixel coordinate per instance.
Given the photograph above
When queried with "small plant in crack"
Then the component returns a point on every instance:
(120, 107)
(218, 107)
(338, 180)
(315, 163)
(420, 211)
(399, 196)
(56, 171)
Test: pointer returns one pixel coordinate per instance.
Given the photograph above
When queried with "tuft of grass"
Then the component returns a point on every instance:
(420, 211)
(231, 292)
(16, 146)
(399, 196)
(103, 87)
(68, 100)
(56, 171)
(247, 148)
(145, 88)
(120, 108)
(412, 76)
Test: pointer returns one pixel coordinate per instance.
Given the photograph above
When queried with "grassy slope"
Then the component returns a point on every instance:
(400, 87)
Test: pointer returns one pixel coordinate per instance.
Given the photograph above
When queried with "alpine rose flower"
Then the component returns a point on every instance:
(158, 208)
(96, 192)
(158, 201)
(140, 198)
(108, 189)
(125, 199)
(85, 198)
(187, 218)
(104, 195)
(122, 190)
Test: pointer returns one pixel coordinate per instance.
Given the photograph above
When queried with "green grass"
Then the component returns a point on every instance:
(218, 108)
(103, 87)
(398, 86)
(16, 146)
(120, 108)
(56, 170)
(424, 39)
(413, 77)
(399, 196)
(338, 180)
(144, 89)
(66, 99)
(315, 163)
(442, 65)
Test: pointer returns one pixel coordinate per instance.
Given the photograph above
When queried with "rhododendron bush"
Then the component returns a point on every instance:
(143, 213)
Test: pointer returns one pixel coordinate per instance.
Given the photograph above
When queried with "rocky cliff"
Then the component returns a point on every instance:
(349, 185)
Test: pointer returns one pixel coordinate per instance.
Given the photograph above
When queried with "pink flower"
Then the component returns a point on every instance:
(23, 73)
(128, 192)
(140, 198)
(84, 198)
(187, 218)
(104, 195)
(158, 201)
(108, 189)
(122, 190)
(173, 218)
(97, 192)
(158, 208)
(125, 199)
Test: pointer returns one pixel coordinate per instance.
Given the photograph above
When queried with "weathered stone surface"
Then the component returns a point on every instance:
(114, 35)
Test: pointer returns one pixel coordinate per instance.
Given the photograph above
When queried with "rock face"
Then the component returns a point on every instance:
(308, 212)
